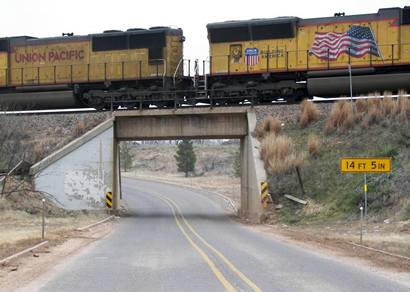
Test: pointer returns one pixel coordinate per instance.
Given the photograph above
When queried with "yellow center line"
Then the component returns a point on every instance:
(229, 264)
(228, 286)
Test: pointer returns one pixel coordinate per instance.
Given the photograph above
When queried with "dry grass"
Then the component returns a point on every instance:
(79, 129)
(374, 114)
(388, 110)
(388, 103)
(279, 154)
(361, 106)
(313, 145)
(38, 151)
(342, 117)
(309, 113)
(267, 126)
(403, 108)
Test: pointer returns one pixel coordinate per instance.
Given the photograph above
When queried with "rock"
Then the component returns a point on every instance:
(278, 206)
(387, 221)
(36, 255)
(13, 269)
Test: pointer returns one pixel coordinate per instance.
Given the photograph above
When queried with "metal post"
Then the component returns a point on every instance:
(43, 221)
(350, 82)
(140, 71)
(307, 59)
(189, 68)
(267, 60)
(328, 59)
(365, 196)
(361, 224)
(55, 74)
(392, 54)
(229, 64)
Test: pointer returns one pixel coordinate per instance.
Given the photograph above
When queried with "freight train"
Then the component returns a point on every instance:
(258, 60)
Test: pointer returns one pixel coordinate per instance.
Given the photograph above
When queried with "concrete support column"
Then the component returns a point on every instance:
(244, 177)
(115, 174)
(252, 173)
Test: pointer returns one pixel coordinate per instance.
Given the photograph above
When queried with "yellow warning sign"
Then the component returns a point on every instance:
(365, 164)
(108, 199)
(265, 197)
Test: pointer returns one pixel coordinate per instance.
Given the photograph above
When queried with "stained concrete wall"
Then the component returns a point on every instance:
(252, 173)
(192, 123)
(78, 175)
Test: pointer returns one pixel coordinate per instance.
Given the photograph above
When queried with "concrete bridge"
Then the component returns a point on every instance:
(78, 175)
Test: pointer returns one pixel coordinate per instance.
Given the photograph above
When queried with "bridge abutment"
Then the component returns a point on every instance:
(186, 123)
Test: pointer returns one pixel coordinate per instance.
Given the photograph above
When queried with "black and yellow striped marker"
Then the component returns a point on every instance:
(265, 198)
(108, 200)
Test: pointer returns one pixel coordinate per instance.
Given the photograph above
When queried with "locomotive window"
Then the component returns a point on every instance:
(273, 31)
(405, 19)
(229, 34)
(4, 45)
(155, 53)
(109, 43)
(147, 40)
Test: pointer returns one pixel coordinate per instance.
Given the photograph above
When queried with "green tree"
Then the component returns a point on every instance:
(185, 157)
(126, 157)
(236, 166)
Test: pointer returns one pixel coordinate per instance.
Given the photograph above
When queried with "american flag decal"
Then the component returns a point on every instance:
(357, 41)
(252, 56)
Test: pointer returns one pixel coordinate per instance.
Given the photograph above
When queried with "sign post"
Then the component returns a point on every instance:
(365, 165)
(365, 196)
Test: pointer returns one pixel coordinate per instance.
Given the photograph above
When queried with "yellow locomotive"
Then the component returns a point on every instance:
(276, 56)
(259, 60)
(91, 66)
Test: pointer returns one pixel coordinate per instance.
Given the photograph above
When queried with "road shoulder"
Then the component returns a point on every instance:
(24, 272)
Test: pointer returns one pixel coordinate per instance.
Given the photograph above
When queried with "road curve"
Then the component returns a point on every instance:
(176, 239)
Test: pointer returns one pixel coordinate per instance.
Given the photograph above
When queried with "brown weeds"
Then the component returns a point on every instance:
(361, 106)
(313, 145)
(279, 154)
(375, 112)
(309, 113)
(388, 103)
(403, 108)
(267, 126)
(79, 128)
(342, 117)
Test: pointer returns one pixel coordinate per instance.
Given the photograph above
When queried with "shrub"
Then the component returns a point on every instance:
(387, 103)
(268, 125)
(342, 116)
(374, 113)
(308, 113)
(313, 145)
(361, 105)
(403, 107)
(79, 128)
(279, 154)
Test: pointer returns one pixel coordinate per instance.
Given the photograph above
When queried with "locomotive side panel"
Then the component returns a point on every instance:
(3, 68)
(45, 62)
(405, 36)
(291, 44)
(90, 59)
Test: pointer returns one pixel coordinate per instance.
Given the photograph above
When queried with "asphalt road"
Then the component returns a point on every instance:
(175, 239)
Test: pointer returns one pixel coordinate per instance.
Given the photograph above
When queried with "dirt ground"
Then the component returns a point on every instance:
(29, 270)
(20, 230)
(341, 245)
